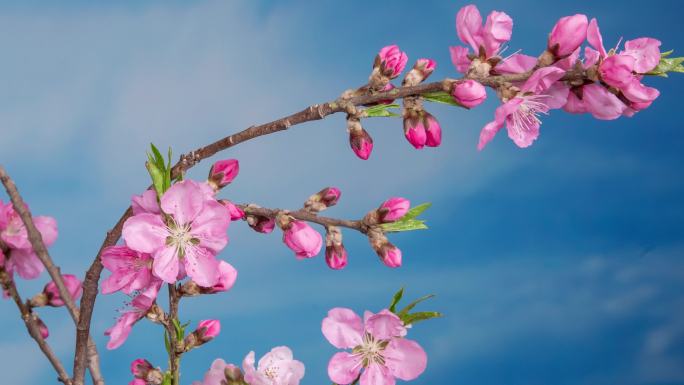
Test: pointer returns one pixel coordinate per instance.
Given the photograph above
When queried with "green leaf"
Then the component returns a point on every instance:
(410, 319)
(157, 177)
(180, 330)
(413, 304)
(381, 110)
(395, 299)
(167, 342)
(398, 226)
(168, 379)
(667, 64)
(441, 97)
(415, 211)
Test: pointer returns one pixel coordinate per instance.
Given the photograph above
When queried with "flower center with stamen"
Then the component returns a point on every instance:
(180, 237)
(370, 350)
(525, 118)
(272, 372)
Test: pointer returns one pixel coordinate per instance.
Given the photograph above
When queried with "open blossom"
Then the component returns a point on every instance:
(192, 233)
(223, 172)
(221, 373)
(567, 35)
(391, 61)
(393, 209)
(520, 113)
(21, 257)
(485, 41)
(469, 93)
(378, 348)
(140, 305)
(302, 239)
(131, 270)
(277, 367)
(73, 285)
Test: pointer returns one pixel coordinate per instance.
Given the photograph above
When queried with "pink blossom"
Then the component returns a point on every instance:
(22, 258)
(433, 130)
(469, 93)
(72, 284)
(277, 367)
(414, 130)
(302, 239)
(219, 372)
(393, 209)
(140, 367)
(145, 203)
(567, 35)
(645, 51)
(336, 256)
(131, 270)
(516, 64)
(519, 114)
(485, 40)
(227, 275)
(193, 231)
(378, 348)
(223, 172)
(361, 143)
(208, 329)
(391, 61)
(140, 305)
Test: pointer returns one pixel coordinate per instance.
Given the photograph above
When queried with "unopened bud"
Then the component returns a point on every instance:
(359, 139)
(301, 238)
(73, 286)
(260, 223)
(42, 327)
(140, 367)
(420, 71)
(223, 172)
(567, 35)
(468, 93)
(389, 254)
(391, 61)
(414, 130)
(323, 199)
(335, 253)
(206, 331)
(393, 209)
(433, 131)
(235, 212)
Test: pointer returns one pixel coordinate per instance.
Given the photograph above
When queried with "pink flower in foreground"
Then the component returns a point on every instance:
(221, 373)
(567, 35)
(223, 172)
(378, 348)
(485, 41)
(192, 233)
(302, 239)
(131, 270)
(72, 284)
(140, 305)
(21, 257)
(277, 367)
(393, 209)
(469, 93)
(391, 61)
(519, 114)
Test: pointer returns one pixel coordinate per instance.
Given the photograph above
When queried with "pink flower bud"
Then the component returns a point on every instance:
(433, 130)
(42, 327)
(226, 280)
(468, 93)
(391, 61)
(420, 71)
(567, 35)
(414, 129)
(323, 199)
(261, 224)
(336, 256)
(302, 239)
(223, 172)
(359, 139)
(141, 367)
(235, 212)
(393, 209)
(390, 255)
(72, 284)
(207, 330)
(616, 70)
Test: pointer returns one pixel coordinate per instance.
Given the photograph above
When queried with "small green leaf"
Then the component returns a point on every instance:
(441, 97)
(167, 342)
(410, 319)
(168, 379)
(415, 211)
(398, 226)
(158, 158)
(667, 64)
(157, 178)
(180, 330)
(413, 304)
(381, 110)
(395, 299)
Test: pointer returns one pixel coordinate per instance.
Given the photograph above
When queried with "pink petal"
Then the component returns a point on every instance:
(210, 226)
(184, 200)
(145, 232)
(497, 30)
(25, 263)
(342, 328)
(165, 264)
(601, 103)
(646, 51)
(202, 266)
(542, 79)
(385, 325)
(591, 57)
(558, 95)
(121, 329)
(145, 203)
(344, 367)
(594, 37)
(469, 26)
(574, 105)
(47, 226)
(516, 64)
(502, 112)
(459, 57)
(405, 359)
(522, 138)
(377, 375)
(639, 93)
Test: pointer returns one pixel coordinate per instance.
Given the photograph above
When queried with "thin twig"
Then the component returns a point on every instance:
(307, 216)
(187, 161)
(36, 240)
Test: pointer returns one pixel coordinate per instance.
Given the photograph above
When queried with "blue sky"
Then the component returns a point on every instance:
(561, 263)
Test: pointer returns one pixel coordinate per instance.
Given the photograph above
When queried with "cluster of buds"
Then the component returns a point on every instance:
(420, 127)
(389, 211)
(335, 253)
(299, 236)
(323, 199)
(50, 294)
(145, 373)
(206, 331)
